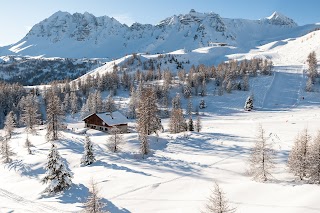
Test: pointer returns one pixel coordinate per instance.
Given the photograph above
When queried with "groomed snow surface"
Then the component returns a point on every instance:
(178, 175)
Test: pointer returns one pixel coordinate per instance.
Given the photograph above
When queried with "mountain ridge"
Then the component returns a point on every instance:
(85, 35)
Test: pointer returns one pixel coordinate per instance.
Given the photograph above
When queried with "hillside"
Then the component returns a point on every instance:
(178, 174)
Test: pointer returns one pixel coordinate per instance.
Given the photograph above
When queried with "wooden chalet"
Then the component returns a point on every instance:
(106, 121)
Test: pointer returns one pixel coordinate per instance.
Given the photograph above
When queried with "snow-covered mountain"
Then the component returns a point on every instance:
(84, 35)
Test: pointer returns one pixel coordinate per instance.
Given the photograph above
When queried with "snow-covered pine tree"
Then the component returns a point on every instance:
(248, 106)
(261, 160)
(115, 139)
(93, 203)
(298, 157)
(314, 161)
(202, 104)
(217, 202)
(6, 150)
(30, 115)
(57, 175)
(55, 116)
(88, 156)
(190, 124)
(9, 124)
(198, 124)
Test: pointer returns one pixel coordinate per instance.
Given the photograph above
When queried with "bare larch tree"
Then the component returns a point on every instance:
(261, 160)
(217, 202)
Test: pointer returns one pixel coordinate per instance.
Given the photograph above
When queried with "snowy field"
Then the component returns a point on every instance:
(179, 173)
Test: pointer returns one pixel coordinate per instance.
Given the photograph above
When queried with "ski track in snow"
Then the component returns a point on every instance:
(28, 205)
(283, 92)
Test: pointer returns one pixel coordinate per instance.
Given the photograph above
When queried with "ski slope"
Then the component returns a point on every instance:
(285, 89)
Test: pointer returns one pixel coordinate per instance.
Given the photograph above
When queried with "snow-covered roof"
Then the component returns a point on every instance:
(111, 119)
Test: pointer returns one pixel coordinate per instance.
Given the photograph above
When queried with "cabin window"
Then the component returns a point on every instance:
(101, 128)
(106, 129)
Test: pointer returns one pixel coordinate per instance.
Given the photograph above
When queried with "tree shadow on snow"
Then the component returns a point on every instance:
(25, 169)
(79, 194)
(116, 167)
(75, 145)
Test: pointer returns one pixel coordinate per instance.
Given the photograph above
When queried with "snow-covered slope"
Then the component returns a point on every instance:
(292, 51)
(179, 172)
(84, 35)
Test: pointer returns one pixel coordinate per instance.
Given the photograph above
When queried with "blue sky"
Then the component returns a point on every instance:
(18, 16)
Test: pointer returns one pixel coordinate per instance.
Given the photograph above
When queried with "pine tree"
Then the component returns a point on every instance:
(217, 202)
(198, 124)
(93, 203)
(202, 104)
(57, 175)
(9, 124)
(30, 113)
(262, 156)
(115, 139)
(248, 106)
(190, 124)
(6, 150)
(314, 161)
(298, 157)
(88, 156)
(55, 116)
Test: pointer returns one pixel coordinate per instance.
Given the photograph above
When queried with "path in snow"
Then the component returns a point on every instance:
(285, 89)
(26, 205)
